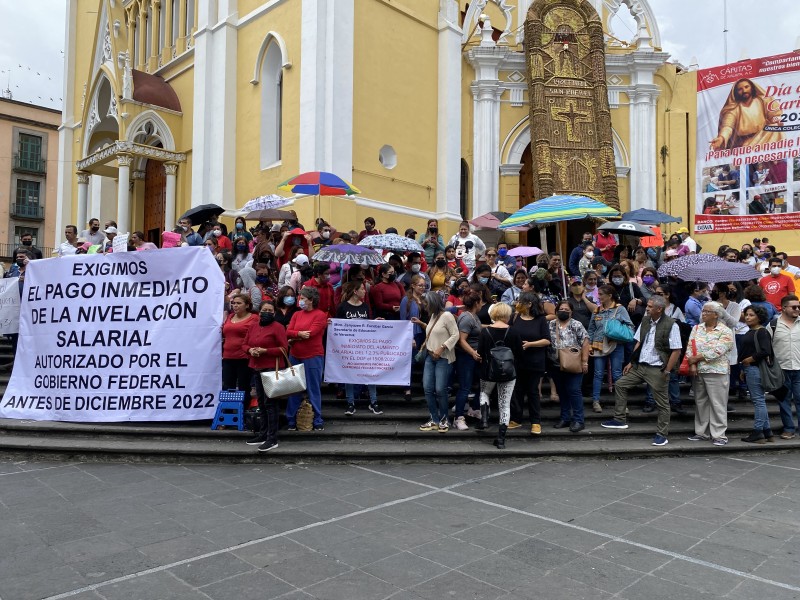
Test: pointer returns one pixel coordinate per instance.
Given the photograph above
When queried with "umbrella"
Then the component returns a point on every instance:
(490, 220)
(392, 242)
(674, 267)
(627, 228)
(525, 251)
(716, 271)
(318, 183)
(270, 214)
(649, 217)
(202, 213)
(268, 202)
(348, 254)
(558, 208)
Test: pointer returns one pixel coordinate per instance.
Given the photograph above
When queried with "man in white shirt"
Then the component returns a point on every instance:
(69, 247)
(786, 345)
(687, 241)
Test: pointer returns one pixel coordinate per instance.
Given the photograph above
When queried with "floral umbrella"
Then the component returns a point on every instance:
(348, 254)
(674, 267)
(268, 202)
(392, 242)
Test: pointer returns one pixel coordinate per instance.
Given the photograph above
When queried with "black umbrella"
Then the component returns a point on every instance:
(649, 216)
(201, 214)
(626, 228)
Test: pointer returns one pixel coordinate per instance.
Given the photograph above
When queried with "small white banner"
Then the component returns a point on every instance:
(133, 336)
(9, 305)
(120, 243)
(362, 351)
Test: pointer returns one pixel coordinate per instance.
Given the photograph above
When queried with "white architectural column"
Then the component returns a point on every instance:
(169, 205)
(66, 133)
(124, 192)
(326, 86)
(214, 122)
(644, 165)
(486, 92)
(448, 154)
(83, 198)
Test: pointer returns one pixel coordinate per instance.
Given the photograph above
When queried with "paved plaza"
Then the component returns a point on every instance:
(680, 528)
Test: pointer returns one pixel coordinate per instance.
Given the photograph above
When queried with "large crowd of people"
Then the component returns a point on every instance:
(488, 324)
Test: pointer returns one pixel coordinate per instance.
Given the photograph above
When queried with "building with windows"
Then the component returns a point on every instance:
(422, 104)
(28, 170)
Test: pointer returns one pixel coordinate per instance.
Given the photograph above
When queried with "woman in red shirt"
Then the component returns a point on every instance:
(266, 345)
(236, 373)
(306, 330)
(386, 295)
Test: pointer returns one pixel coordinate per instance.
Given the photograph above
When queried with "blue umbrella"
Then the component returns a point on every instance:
(649, 217)
(554, 209)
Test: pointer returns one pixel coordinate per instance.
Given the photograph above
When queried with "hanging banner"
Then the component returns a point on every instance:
(9, 305)
(132, 336)
(362, 351)
(748, 146)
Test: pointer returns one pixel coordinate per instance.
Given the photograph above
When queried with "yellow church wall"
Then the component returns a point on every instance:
(251, 180)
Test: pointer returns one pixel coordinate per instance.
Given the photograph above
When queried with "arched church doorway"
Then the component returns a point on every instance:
(155, 200)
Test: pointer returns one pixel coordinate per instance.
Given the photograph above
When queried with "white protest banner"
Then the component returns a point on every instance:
(120, 242)
(133, 336)
(361, 351)
(748, 146)
(9, 305)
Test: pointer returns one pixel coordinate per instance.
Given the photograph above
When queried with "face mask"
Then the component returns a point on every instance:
(262, 279)
(241, 248)
(289, 301)
(775, 270)
(502, 252)
(240, 226)
(185, 227)
(589, 254)
(732, 294)
(603, 269)
(441, 263)
(302, 303)
(617, 280)
(391, 277)
(483, 280)
(95, 227)
(590, 287)
(415, 268)
(648, 279)
(20, 262)
(27, 243)
(715, 295)
(266, 318)
(216, 233)
(562, 315)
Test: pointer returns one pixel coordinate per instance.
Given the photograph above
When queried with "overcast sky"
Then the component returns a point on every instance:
(32, 38)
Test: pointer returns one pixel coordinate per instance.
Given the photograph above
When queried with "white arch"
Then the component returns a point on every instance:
(262, 52)
(645, 19)
(474, 13)
(94, 114)
(160, 129)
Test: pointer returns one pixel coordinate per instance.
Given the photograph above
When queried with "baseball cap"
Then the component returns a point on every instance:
(301, 259)
(110, 230)
(683, 230)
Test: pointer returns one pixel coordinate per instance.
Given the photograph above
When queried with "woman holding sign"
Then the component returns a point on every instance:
(266, 345)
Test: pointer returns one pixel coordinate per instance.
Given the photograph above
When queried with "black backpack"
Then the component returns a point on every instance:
(501, 361)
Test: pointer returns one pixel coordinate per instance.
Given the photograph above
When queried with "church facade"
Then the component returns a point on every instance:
(422, 105)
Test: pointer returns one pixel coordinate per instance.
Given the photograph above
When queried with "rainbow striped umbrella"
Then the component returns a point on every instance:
(558, 208)
(318, 183)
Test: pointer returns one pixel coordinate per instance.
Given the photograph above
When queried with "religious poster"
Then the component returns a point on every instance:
(130, 336)
(748, 146)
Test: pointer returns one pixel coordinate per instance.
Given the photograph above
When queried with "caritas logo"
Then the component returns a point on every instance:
(772, 285)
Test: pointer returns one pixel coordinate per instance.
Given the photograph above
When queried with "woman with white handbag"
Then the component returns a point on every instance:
(266, 346)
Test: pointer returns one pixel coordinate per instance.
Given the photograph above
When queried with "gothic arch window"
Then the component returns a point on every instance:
(271, 77)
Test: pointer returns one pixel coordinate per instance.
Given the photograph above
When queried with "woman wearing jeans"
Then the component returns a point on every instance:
(441, 338)
(467, 357)
(566, 332)
(605, 351)
(755, 317)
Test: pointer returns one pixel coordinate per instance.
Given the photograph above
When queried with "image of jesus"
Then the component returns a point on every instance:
(744, 116)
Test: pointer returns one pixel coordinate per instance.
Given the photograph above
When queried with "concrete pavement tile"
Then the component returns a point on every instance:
(785, 569)
(685, 526)
(201, 521)
(650, 587)
(755, 589)
(458, 585)
(573, 539)
(66, 531)
(18, 537)
(405, 569)
(450, 552)
(606, 524)
(540, 554)
(151, 532)
(323, 536)
(699, 577)
(271, 552)
(750, 524)
(600, 574)
(207, 487)
(701, 512)
(370, 522)
(88, 548)
(192, 506)
(178, 548)
(359, 551)
(108, 566)
(300, 497)
(661, 539)
(236, 533)
(652, 501)
(228, 497)
(286, 520)
(308, 569)
(631, 556)
(502, 572)
(681, 493)
(367, 498)
(522, 524)
(555, 586)
(18, 563)
(257, 507)
(153, 586)
(210, 570)
(755, 542)
(330, 508)
(778, 508)
(740, 558)
(41, 584)
(630, 512)
(559, 511)
(490, 536)
(403, 536)
(356, 585)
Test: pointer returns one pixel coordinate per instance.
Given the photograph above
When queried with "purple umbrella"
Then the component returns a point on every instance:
(716, 271)
(674, 267)
(525, 251)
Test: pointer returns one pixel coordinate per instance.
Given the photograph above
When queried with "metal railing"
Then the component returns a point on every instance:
(30, 164)
(27, 210)
(7, 251)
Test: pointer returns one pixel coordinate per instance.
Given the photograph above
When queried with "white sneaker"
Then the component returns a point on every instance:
(461, 424)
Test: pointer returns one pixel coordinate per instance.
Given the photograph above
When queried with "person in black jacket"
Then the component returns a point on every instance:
(756, 346)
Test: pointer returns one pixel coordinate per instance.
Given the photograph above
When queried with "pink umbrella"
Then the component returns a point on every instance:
(525, 251)
(490, 220)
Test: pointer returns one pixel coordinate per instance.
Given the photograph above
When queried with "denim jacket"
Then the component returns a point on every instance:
(597, 325)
